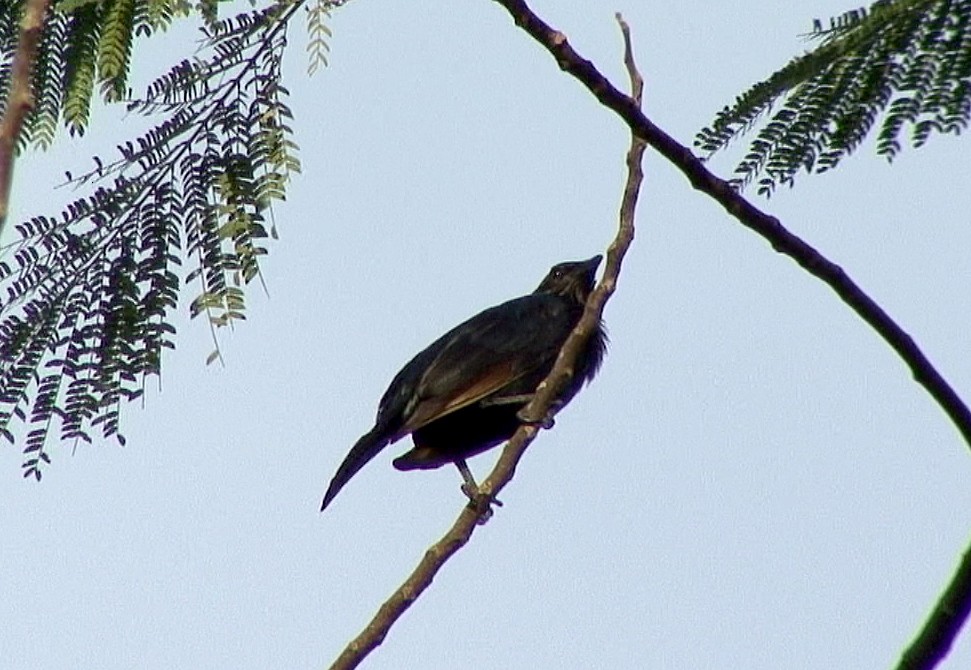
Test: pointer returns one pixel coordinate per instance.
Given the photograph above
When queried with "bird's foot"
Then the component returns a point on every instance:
(474, 494)
(546, 422)
(481, 503)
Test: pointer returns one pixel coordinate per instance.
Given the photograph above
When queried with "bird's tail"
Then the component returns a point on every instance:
(363, 451)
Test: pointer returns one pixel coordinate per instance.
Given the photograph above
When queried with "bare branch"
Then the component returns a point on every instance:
(952, 610)
(747, 214)
(20, 99)
(460, 532)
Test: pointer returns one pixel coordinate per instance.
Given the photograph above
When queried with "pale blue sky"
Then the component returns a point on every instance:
(754, 481)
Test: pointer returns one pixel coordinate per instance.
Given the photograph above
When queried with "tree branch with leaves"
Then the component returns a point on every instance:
(90, 294)
(952, 610)
(86, 313)
(902, 64)
(750, 216)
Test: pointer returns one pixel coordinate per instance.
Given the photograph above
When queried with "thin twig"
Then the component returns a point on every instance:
(747, 214)
(20, 99)
(460, 532)
(939, 632)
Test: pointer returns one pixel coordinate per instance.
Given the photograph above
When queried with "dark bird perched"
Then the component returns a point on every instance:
(462, 394)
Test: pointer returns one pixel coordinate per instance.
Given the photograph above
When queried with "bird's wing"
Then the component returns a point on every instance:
(487, 353)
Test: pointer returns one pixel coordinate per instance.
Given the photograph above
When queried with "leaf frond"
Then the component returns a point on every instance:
(87, 296)
(900, 65)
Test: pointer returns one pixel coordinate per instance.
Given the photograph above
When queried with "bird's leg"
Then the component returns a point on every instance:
(471, 491)
(521, 399)
(469, 488)
(545, 423)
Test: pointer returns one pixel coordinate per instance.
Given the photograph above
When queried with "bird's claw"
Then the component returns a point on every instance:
(473, 494)
(478, 501)
(546, 423)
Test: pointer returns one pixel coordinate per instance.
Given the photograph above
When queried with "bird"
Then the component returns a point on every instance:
(462, 394)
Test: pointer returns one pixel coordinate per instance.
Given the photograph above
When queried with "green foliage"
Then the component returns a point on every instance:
(80, 65)
(88, 295)
(114, 48)
(86, 44)
(317, 47)
(904, 63)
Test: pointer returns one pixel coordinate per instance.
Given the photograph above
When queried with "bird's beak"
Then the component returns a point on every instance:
(591, 265)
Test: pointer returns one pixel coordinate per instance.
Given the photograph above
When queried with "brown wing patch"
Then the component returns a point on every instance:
(430, 409)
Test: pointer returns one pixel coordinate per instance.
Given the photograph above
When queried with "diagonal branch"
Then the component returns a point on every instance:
(460, 532)
(20, 99)
(747, 214)
(949, 615)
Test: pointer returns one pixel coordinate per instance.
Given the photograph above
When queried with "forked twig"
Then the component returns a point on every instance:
(460, 532)
(950, 613)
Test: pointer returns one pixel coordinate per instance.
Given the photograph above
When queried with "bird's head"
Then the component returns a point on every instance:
(574, 279)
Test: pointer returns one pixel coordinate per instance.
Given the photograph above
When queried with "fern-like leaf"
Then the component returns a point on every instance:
(901, 64)
(88, 295)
